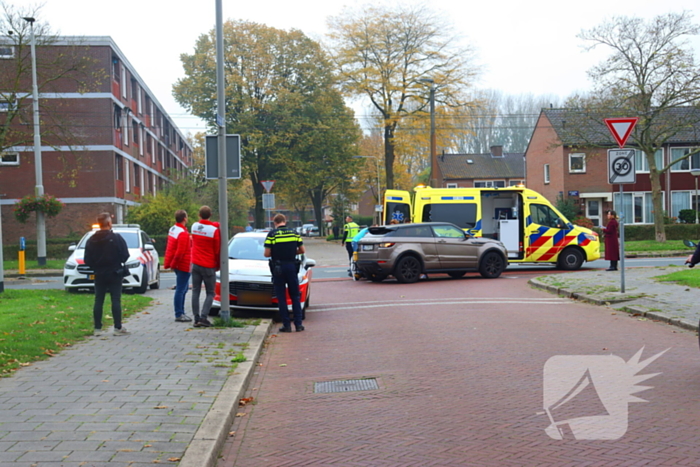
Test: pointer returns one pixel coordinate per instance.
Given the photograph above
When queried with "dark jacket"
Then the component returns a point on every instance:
(612, 244)
(105, 252)
(696, 256)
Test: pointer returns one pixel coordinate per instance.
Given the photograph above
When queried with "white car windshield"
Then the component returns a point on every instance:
(247, 248)
(131, 238)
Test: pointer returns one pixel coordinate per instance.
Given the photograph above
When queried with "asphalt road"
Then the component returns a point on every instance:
(469, 372)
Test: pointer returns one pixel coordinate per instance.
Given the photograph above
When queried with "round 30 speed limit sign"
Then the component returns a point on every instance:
(621, 168)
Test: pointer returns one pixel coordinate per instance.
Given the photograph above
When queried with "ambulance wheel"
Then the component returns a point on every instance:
(144, 283)
(408, 270)
(492, 265)
(570, 259)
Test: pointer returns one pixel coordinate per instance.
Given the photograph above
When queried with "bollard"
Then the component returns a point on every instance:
(22, 247)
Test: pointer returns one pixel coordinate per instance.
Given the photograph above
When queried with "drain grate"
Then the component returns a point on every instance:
(347, 385)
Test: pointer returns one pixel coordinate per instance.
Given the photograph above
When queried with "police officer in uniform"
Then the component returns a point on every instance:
(282, 245)
(351, 229)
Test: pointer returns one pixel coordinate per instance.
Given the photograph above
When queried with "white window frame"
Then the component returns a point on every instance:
(576, 155)
(122, 76)
(127, 176)
(451, 185)
(141, 141)
(643, 167)
(693, 162)
(9, 158)
(546, 174)
(11, 54)
(125, 127)
(489, 183)
(5, 106)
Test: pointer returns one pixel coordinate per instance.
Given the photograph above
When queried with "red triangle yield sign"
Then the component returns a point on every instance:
(621, 128)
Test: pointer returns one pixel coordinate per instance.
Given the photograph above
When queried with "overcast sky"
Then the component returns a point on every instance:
(523, 47)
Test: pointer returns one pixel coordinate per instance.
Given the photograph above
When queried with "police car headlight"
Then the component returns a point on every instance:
(133, 264)
(70, 265)
(592, 237)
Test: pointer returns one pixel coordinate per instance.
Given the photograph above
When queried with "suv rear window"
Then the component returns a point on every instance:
(461, 214)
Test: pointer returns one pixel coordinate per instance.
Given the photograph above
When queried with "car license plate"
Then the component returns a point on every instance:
(367, 247)
(247, 297)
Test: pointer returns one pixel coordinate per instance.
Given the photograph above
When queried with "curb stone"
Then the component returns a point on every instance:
(682, 323)
(204, 449)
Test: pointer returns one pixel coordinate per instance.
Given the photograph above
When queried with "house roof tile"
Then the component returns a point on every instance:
(483, 166)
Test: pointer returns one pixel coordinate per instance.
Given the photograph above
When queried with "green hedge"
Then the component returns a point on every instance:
(673, 232)
(56, 248)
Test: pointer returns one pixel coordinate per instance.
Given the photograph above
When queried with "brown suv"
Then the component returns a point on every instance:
(406, 251)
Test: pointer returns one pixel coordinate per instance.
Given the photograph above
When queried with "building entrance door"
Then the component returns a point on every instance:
(593, 211)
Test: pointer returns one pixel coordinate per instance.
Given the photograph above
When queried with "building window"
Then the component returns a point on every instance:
(642, 165)
(5, 106)
(689, 163)
(135, 131)
(119, 167)
(451, 185)
(122, 76)
(637, 207)
(9, 158)
(577, 163)
(546, 173)
(490, 184)
(7, 51)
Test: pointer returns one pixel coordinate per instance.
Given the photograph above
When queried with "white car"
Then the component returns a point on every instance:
(250, 281)
(305, 229)
(143, 262)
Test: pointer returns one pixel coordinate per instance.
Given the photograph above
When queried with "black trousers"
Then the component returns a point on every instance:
(112, 283)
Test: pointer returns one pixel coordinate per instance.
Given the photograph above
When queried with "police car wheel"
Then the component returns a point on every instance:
(144, 282)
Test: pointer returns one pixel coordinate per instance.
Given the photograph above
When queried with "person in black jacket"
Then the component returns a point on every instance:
(105, 254)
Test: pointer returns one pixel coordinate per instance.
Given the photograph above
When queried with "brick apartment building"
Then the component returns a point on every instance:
(495, 169)
(557, 165)
(120, 144)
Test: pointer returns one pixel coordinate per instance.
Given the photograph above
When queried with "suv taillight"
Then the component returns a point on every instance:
(386, 245)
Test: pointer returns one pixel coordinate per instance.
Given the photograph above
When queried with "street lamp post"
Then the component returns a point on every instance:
(695, 173)
(433, 142)
(39, 190)
(379, 187)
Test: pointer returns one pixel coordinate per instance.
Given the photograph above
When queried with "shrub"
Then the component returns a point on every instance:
(687, 216)
(584, 222)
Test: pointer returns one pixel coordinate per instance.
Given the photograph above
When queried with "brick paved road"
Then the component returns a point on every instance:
(132, 400)
(460, 381)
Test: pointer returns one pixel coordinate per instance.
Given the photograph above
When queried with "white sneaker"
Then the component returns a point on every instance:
(121, 332)
(98, 332)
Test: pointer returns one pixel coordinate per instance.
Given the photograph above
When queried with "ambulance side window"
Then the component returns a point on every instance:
(461, 214)
(544, 215)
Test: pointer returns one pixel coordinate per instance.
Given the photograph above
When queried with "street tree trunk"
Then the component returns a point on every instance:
(389, 149)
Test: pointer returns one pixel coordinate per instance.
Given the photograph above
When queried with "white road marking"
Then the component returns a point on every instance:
(445, 301)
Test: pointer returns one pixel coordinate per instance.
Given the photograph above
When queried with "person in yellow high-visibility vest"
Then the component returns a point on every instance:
(351, 229)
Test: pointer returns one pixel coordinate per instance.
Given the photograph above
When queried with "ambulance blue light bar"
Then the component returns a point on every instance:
(394, 198)
(456, 198)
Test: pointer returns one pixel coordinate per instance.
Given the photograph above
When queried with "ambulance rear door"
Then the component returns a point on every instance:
(397, 205)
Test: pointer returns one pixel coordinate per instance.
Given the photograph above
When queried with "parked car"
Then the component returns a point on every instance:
(250, 281)
(406, 251)
(313, 231)
(143, 262)
(305, 229)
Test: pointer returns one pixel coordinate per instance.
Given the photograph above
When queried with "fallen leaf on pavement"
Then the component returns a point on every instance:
(160, 407)
(173, 459)
(231, 433)
(244, 401)
(283, 364)
(241, 414)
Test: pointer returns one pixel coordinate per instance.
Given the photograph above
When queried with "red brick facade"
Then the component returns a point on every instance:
(120, 145)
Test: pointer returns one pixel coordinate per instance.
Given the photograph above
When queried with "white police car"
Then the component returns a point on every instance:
(143, 262)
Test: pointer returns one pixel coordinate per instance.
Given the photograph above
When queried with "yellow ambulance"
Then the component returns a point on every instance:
(532, 230)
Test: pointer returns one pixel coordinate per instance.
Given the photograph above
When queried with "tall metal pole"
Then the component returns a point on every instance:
(622, 242)
(223, 198)
(696, 199)
(433, 142)
(39, 189)
(379, 193)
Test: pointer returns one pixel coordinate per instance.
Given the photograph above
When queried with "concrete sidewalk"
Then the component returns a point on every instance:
(167, 393)
(651, 299)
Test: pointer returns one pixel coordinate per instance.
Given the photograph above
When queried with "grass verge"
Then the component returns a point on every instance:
(687, 277)
(50, 264)
(36, 324)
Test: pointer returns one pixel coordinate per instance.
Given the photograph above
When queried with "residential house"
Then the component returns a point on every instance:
(122, 145)
(495, 169)
(572, 163)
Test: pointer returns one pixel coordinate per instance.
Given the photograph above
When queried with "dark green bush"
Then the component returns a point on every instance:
(687, 216)
(673, 232)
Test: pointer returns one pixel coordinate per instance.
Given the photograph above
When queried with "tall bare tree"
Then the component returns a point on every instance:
(69, 65)
(651, 74)
(382, 53)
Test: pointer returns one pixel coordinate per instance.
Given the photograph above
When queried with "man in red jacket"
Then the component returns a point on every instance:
(178, 257)
(206, 244)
